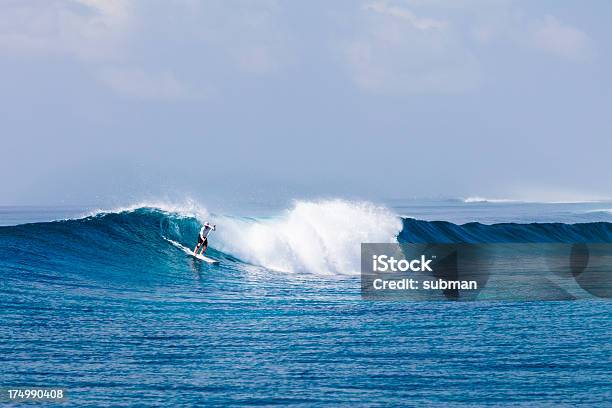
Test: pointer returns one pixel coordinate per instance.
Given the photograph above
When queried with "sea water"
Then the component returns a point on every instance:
(98, 303)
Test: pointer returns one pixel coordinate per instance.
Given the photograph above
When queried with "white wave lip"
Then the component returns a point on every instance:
(322, 237)
(186, 208)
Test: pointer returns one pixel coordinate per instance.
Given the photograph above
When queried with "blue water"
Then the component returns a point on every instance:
(106, 308)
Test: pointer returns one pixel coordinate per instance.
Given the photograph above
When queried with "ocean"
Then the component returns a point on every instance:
(100, 304)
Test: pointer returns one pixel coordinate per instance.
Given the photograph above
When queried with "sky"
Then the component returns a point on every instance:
(109, 101)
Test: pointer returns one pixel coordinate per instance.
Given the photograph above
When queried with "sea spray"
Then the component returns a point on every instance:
(319, 237)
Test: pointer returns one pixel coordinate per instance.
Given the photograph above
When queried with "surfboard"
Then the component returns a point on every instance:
(204, 258)
(189, 252)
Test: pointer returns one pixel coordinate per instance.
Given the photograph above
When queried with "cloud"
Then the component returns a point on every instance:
(399, 52)
(505, 25)
(393, 47)
(85, 29)
(139, 84)
(403, 47)
(199, 41)
(406, 15)
(562, 40)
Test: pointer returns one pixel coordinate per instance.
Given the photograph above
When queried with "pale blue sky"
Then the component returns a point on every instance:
(119, 100)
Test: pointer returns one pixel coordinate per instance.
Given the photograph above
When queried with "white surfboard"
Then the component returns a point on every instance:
(204, 258)
(189, 252)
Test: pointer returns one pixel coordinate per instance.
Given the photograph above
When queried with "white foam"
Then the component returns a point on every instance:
(318, 237)
(187, 208)
(600, 210)
(478, 199)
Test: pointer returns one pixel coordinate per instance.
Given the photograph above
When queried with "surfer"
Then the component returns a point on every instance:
(203, 238)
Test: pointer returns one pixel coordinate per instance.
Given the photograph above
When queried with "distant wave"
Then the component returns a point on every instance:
(480, 199)
(600, 210)
(477, 199)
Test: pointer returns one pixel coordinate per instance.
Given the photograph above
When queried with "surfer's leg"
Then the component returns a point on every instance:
(200, 243)
(204, 246)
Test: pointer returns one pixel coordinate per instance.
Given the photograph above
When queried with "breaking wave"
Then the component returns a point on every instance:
(311, 237)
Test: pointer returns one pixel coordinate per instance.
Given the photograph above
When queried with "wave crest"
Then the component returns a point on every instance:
(187, 208)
